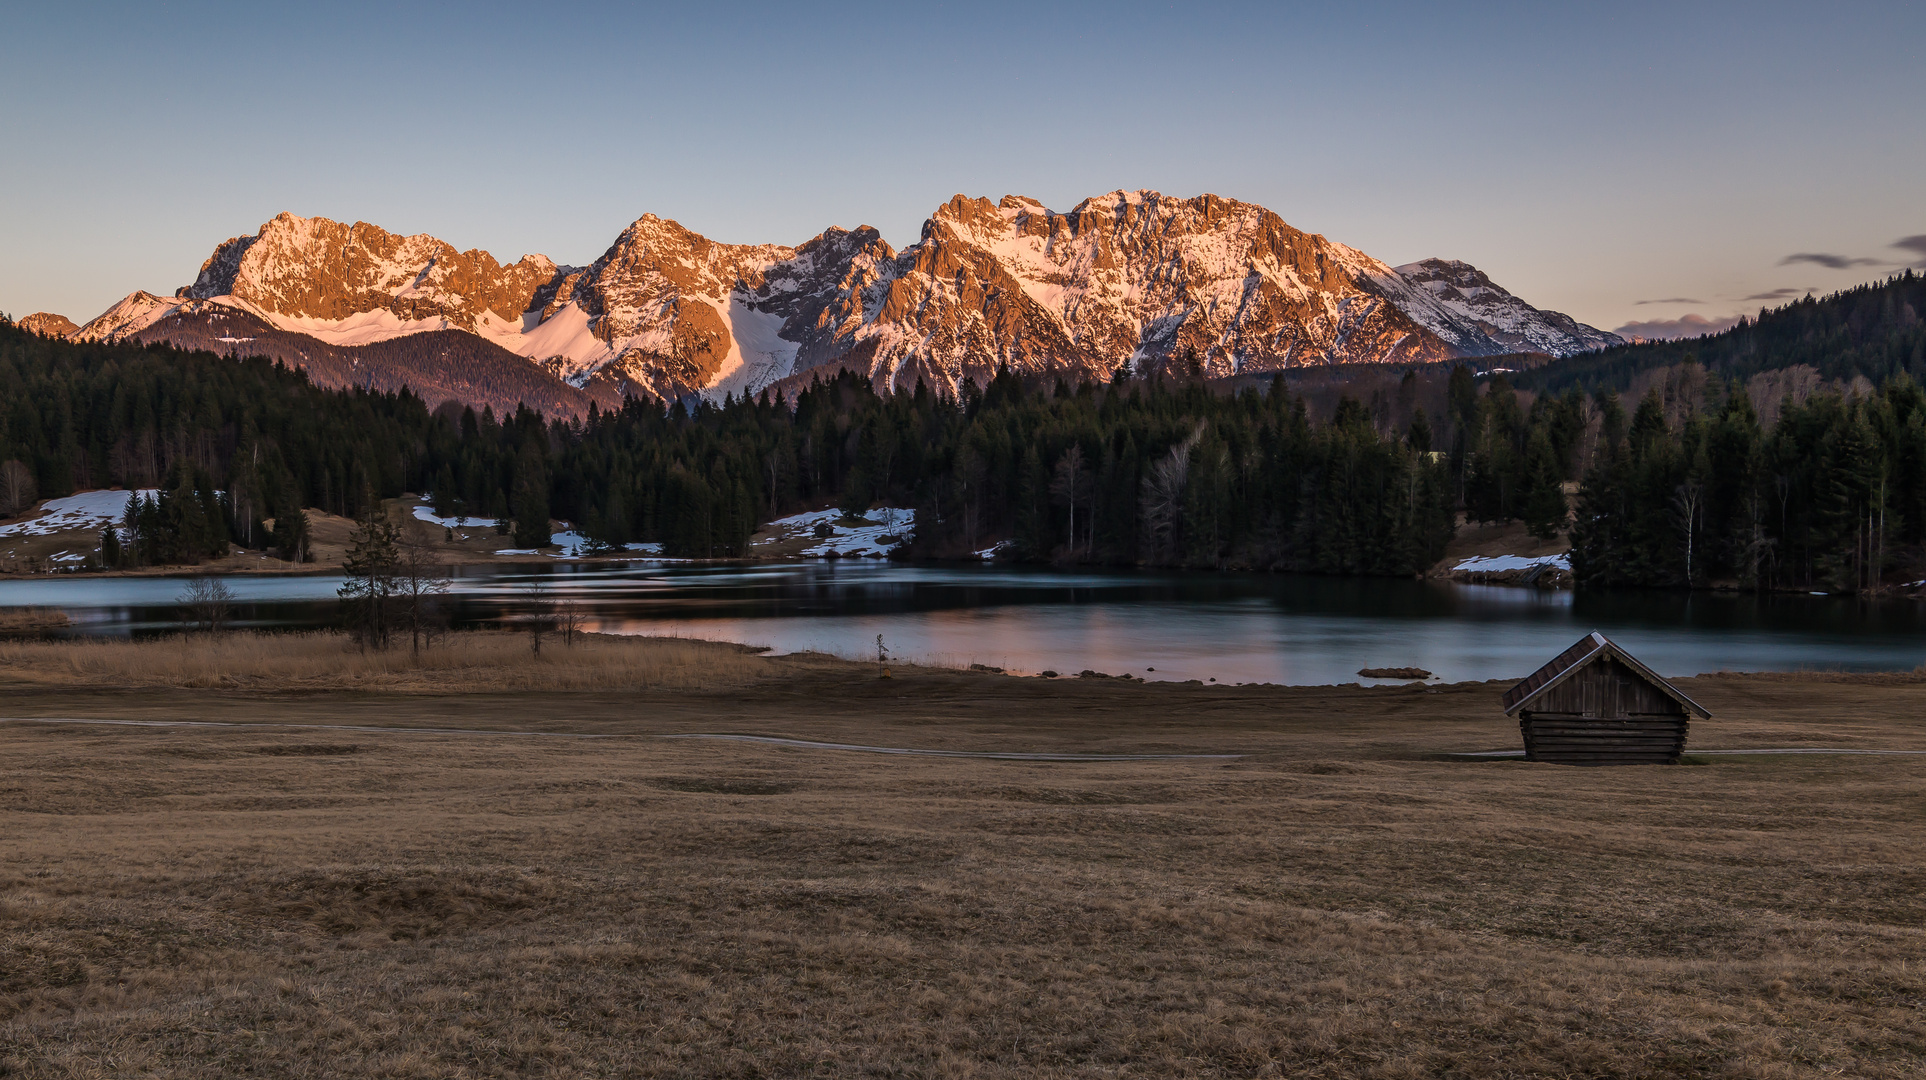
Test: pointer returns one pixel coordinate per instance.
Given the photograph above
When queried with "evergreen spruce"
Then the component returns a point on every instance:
(371, 569)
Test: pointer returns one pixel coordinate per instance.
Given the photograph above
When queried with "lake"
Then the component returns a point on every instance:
(1281, 628)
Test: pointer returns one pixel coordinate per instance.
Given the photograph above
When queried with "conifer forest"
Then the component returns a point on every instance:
(1674, 465)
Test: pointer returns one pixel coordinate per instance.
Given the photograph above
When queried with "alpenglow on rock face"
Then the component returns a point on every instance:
(48, 324)
(1133, 280)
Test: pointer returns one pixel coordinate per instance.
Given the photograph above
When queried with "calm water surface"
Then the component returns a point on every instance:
(1231, 627)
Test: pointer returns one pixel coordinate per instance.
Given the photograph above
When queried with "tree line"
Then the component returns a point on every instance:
(85, 416)
(1873, 331)
(1166, 474)
(1126, 473)
(1831, 493)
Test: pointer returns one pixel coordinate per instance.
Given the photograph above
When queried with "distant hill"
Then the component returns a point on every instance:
(48, 324)
(1875, 331)
(438, 365)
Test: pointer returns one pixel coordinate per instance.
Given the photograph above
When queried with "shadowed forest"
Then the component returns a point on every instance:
(1764, 457)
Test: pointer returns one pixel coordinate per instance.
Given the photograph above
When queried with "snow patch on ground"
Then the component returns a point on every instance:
(573, 545)
(1485, 564)
(847, 538)
(427, 514)
(567, 543)
(87, 510)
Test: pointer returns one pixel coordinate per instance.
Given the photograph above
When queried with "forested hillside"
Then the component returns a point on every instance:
(1687, 486)
(1166, 475)
(1830, 496)
(1135, 472)
(95, 416)
(1874, 331)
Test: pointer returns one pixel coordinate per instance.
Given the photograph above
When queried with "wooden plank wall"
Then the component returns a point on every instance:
(1605, 714)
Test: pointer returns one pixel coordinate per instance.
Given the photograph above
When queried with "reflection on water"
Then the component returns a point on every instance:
(1231, 627)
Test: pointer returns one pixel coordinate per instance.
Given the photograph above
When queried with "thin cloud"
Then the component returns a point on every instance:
(1829, 261)
(1776, 294)
(1673, 300)
(1685, 326)
(1914, 244)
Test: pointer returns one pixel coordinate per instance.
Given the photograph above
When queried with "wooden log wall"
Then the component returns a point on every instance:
(1605, 714)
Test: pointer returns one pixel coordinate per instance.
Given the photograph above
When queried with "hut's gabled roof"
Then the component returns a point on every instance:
(1592, 646)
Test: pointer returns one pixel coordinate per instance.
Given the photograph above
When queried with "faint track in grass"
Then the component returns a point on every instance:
(765, 740)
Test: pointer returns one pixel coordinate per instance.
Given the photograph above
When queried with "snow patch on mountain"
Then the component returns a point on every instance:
(758, 355)
(567, 337)
(135, 312)
(1470, 297)
(362, 328)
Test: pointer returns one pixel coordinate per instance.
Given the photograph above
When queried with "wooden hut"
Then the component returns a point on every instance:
(1596, 705)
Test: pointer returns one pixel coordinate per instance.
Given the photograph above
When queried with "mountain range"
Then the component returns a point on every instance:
(1135, 280)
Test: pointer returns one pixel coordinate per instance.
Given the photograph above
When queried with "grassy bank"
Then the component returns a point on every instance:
(463, 663)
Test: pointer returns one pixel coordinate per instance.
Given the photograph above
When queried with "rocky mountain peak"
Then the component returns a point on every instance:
(47, 324)
(1129, 278)
(1516, 326)
(317, 269)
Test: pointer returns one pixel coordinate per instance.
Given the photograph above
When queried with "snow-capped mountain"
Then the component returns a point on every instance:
(1132, 279)
(1515, 325)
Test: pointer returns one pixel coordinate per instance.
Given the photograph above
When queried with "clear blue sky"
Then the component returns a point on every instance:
(1589, 157)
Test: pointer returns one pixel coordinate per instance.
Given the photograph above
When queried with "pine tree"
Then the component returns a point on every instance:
(1418, 436)
(290, 534)
(1544, 509)
(370, 569)
(531, 503)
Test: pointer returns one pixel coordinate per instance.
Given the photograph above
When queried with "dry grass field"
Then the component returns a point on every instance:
(1340, 901)
(463, 663)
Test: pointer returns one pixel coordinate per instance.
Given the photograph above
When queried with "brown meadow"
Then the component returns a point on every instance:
(1341, 901)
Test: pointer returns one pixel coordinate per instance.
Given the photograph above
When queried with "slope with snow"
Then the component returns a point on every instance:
(1467, 293)
(93, 510)
(1130, 279)
(877, 533)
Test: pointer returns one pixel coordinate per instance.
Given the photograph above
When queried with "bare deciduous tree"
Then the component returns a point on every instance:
(541, 614)
(209, 602)
(1070, 484)
(971, 471)
(1688, 501)
(421, 580)
(17, 490)
(568, 619)
(1163, 503)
